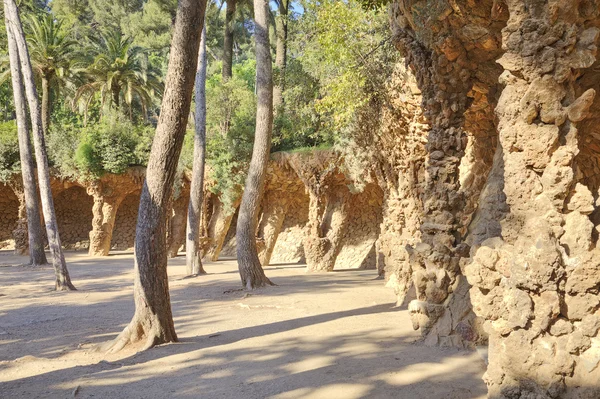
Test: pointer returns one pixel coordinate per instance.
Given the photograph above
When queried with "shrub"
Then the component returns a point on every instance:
(9, 150)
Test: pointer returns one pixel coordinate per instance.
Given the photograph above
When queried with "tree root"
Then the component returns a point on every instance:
(64, 286)
(134, 333)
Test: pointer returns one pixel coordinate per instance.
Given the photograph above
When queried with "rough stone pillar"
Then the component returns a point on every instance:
(178, 220)
(218, 226)
(451, 48)
(326, 219)
(104, 211)
(536, 282)
(269, 227)
(20, 233)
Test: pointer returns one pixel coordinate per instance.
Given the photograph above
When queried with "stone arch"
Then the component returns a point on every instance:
(364, 216)
(289, 248)
(74, 216)
(124, 231)
(9, 216)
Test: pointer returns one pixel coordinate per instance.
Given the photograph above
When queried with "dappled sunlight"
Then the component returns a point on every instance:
(311, 336)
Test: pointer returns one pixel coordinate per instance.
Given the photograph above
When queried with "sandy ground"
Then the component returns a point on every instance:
(335, 335)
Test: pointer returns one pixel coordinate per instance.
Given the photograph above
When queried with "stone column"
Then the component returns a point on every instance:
(178, 224)
(104, 210)
(536, 283)
(20, 233)
(326, 219)
(274, 209)
(219, 225)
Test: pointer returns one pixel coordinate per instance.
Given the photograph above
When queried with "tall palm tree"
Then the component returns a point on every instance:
(51, 51)
(118, 71)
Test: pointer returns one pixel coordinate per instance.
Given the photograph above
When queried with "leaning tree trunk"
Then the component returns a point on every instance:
(153, 320)
(281, 30)
(192, 247)
(45, 103)
(251, 271)
(63, 281)
(37, 256)
(227, 71)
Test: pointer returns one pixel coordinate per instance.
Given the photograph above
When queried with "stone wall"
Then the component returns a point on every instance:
(289, 248)
(74, 217)
(509, 197)
(125, 222)
(361, 230)
(9, 216)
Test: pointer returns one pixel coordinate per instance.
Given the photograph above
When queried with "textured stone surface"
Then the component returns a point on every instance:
(9, 217)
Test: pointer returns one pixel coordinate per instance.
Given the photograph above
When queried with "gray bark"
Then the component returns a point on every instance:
(251, 271)
(193, 247)
(63, 281)
(227, 71)
(281, 30)
(153, 319)
(45, 103)
(37, 256)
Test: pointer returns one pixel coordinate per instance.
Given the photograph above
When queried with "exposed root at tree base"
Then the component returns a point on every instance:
(133, 334)
(263, 282)
(65, 287)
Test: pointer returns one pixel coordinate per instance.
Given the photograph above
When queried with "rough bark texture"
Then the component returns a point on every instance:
(227, 71)
(45, 104)
(193, 246)
(251, 272)
(153, 319)
(63, 281)
(281, 32)
(32, 219)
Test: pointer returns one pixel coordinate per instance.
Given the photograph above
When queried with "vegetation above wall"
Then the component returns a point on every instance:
(108, 66)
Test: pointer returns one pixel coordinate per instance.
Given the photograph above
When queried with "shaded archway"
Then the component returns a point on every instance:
(74, 215)
(9, 216)
(123, 237)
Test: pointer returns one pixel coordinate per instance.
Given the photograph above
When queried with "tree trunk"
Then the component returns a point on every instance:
(116, 90)
(227, 71)
(281, 30)
(45, 104)
(37, 256)
(63, 281)
(251, 271)
(193, 255)
(153, 320)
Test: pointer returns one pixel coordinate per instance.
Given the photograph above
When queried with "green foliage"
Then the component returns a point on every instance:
(300, 125)
(117, 70)
(230, 123)
(9, 150)
(109, 146)
(337, 46)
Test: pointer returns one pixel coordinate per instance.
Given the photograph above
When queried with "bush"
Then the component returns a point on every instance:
(109, 146)
(9, 150)
(230, 124)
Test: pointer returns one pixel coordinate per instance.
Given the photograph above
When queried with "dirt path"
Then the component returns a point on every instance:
(335, 335)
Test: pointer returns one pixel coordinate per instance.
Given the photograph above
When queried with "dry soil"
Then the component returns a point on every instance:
(334, 335)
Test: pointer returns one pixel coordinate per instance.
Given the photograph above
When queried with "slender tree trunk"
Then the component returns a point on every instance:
(153, 319)
(37, 256)
(281, 30)
(227, 71)
(45, 104)
(63, 281)
(193, 248)
(251, 271)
